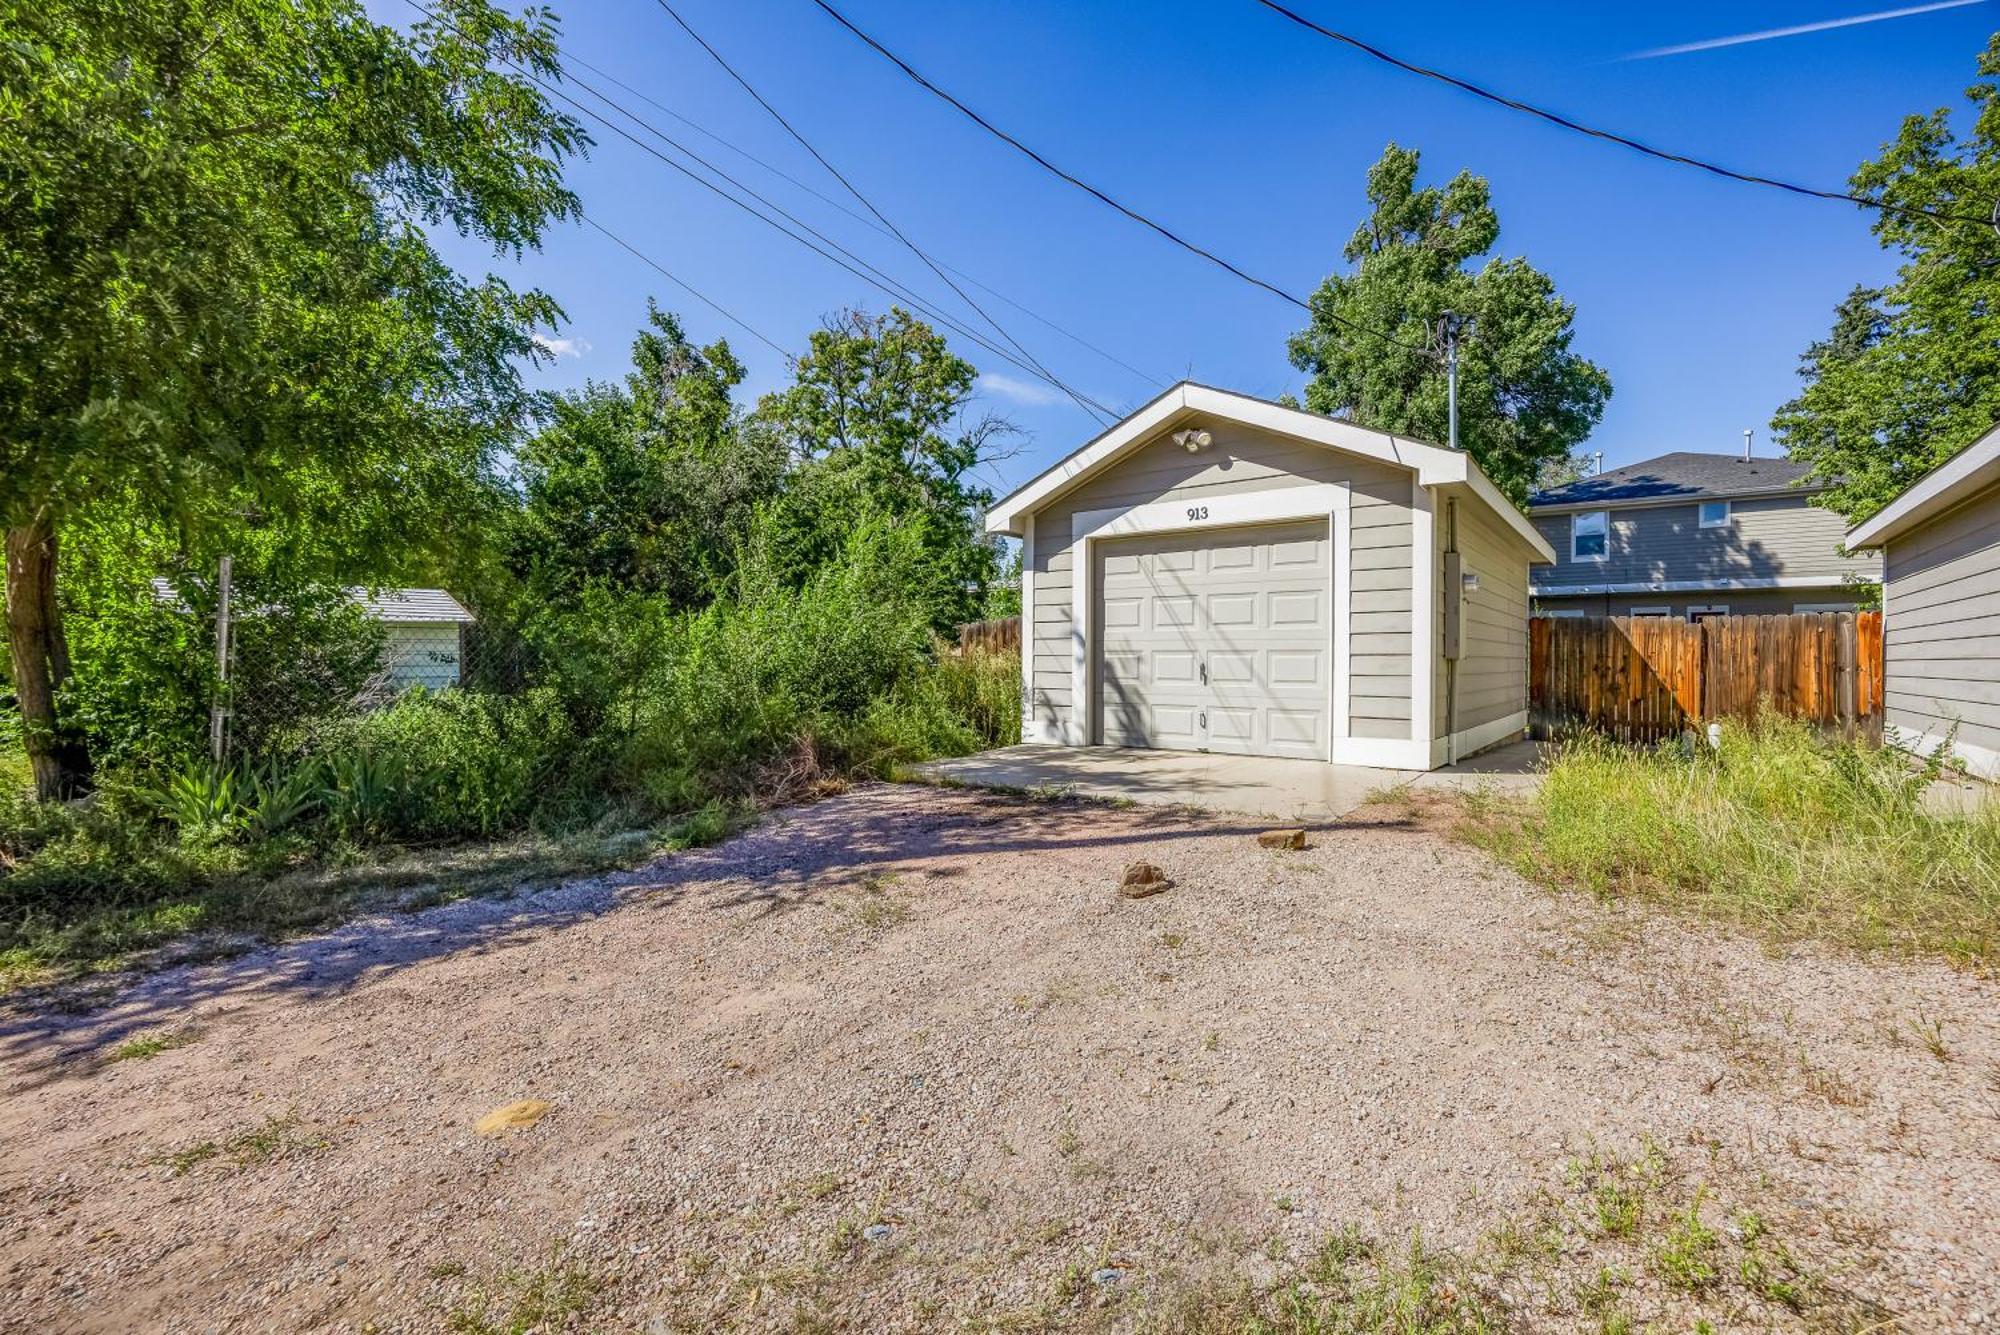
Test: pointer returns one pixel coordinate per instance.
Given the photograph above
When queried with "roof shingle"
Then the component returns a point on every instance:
(1682, 474)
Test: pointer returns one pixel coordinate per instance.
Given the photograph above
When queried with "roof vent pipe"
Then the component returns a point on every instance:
(1597, 464)
(1746, 444)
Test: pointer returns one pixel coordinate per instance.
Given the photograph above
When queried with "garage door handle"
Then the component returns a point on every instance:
(1204, 674)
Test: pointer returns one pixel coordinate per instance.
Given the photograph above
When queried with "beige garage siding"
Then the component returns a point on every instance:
(1943, 625)
(1493, 632)
(1242, 460)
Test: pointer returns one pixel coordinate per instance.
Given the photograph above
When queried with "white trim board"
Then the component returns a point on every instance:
(1326, 500)
(1686, 586)
(1954, 480)
(1468, 742)
(1980, 761)
(1433, 465)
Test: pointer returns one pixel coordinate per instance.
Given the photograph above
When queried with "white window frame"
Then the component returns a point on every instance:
(1696, 611)
(1577, 518)
(1701, 514)
(1651, 612)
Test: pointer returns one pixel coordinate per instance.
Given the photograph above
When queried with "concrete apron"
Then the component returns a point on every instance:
(1299, 791)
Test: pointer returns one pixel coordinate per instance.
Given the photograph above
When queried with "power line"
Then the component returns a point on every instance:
(1100, 195)
(1624, 141)
(687, 287)
(880, 216)
(864, 220)
(873, 276)
(851, 262)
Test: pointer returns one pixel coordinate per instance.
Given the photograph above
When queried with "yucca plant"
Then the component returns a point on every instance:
(203, 801)
(276, 799)
(360, 794)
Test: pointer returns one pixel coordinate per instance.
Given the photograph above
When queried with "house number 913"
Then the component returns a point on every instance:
(1197, 512)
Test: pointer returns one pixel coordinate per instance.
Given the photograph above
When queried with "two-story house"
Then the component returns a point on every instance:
(1694, 535)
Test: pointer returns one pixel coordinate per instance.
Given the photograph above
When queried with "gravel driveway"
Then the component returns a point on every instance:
(903, 1059)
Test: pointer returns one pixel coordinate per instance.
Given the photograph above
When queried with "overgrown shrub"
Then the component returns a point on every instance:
(447, 764)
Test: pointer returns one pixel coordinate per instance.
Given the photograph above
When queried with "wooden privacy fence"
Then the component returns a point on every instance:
(1001, 635)
(1643, 678)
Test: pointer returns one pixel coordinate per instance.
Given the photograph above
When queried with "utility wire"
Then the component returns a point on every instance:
(865, 271)
(1103, 197)
(854, 190)
(687, 287)
(831, 250)
(861, 218)
(1623, 141)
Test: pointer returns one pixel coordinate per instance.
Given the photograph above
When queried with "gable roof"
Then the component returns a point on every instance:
(1434, 465)
(1972, 469)
(1682, 475)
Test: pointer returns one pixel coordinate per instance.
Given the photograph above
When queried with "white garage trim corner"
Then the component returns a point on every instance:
(1423, 614)
(1340, 532)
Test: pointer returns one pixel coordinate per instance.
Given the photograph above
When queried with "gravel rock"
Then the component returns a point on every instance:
(1386, 1030)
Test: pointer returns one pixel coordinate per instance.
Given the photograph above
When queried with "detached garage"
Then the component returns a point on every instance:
(1222, 573)
(1940, 544)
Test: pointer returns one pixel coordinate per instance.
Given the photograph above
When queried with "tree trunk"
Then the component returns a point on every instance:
(41, 660)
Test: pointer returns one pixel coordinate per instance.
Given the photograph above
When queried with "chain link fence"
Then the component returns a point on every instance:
(287, 675)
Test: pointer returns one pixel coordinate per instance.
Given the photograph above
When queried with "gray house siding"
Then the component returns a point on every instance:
(1769, 537)
(1240, 460)
(1492, 671)
(1942, 642)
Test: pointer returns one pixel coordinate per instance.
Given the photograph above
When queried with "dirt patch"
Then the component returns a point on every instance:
(906, 1059)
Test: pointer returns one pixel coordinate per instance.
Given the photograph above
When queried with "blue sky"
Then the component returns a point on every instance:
(1252, 136)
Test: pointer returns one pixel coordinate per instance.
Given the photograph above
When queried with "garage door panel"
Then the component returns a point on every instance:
(1296, 609)
(1231, 725)
(1297, 727)
(1292, 667)
(1226, 668)
(1251, 606)
(1232, 609)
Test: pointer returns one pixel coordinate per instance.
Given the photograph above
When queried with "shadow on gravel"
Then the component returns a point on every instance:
(792, 857)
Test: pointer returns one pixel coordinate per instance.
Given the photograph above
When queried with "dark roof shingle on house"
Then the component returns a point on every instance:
(1680, 475)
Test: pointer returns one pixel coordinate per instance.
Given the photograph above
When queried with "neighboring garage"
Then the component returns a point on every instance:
(1221, 573)
(1940, 544)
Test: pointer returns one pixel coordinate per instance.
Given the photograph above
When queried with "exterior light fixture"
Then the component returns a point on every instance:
(1193, 439)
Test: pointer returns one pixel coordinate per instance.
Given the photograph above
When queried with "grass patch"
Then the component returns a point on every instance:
(220, 901)
(546, 1299)
(1569, 1261)
(1780, 830)
(274, 1138)
(151, 1045)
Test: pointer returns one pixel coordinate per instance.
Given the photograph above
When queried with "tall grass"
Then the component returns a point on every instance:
(1779, 829)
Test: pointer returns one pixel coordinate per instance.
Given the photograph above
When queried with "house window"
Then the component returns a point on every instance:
(1651, 612)
(1589, 535)
(1715, 514)
(1701, 612)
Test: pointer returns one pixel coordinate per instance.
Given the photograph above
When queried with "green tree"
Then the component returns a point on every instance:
(876, 418)
(1910, 373)
(650, 486)
(1525, 400)
(218, 288)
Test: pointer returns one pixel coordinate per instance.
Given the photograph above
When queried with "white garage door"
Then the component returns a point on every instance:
(1216, 641)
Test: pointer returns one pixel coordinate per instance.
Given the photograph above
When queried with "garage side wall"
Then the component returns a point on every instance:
(1493, 642)
(1941, 603)
(1241, 460)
